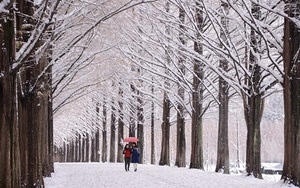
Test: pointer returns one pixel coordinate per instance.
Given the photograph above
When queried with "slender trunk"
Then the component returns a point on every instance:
(291, 58)
(152, 128)
(140, 126)
(83, 157)
(97, 150)
(120, 157)
(97, 134)
(80, 146)
(223, 148)
(87, 147)
(196, 138)
(93, 147)
(71, 151)
(181, 142)
(50, 125)
(253, 106)
(77, 148)
(165, 142)
(112, 155)
(132, 113)
(104, 132)
(165, 126)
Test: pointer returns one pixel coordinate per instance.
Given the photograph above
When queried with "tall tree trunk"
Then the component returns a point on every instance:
(223, 148)
(120, 157)
(196, 138)
(9, 173)
(77, 148)
(253, 106)
(36, 116)
(97, 150)
(72, 151)
(165, 126)
(104, 132)
(48, 166)
(291, 59)
(181, 143)
(132, 112)
(69, 148)
(140, 125)
(87, 147)
(83, 157)
(97, 134)
(24, 142)
(112, 154)
(50, 125)
(35, 123)
(80, 145)
(152, 127)
(93, 147)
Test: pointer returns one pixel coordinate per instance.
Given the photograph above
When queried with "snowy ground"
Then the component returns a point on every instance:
(113, 175)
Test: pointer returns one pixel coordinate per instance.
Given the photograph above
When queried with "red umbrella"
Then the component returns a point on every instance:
(131, 139)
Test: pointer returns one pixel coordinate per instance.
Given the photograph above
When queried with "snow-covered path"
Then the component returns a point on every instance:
(113, 175)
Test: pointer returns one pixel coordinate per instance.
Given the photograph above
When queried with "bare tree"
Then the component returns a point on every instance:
(291, 58)
(165, 125)
(112, 155)
(196, 137)
(120, 126)
(104, 131)
(223, 148)
(181, 142)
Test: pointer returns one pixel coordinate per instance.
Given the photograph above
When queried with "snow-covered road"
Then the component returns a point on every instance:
(113, 175)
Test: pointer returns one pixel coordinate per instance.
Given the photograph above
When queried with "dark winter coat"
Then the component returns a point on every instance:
(135, 155)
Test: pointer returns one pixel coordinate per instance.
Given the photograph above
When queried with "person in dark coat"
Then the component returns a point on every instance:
(135, 156)
(127, 156)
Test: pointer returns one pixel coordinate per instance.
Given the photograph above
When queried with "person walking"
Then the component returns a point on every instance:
(135, 156)
(127, 156)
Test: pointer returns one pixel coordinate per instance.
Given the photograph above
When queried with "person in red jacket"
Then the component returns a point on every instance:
(127, 156)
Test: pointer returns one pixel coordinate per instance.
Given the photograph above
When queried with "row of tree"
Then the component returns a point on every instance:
(214, 51)
(197, 54)
(30, 34)
(26, 128)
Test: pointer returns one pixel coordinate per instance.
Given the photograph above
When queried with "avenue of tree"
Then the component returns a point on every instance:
(76, 77)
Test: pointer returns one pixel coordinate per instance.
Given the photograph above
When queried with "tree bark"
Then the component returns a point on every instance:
(7, 101)
(196, 138)
(181, 142)
(77, 148)
(93, 147)
(104, 132)
(223, 148)
(132, 112)
(87, 147)
(253, 105)
(112, 155)
(291, 59)
(120, 157)
(140, 126)
(97, 134)
(165, 126)
(152, 128)
(80, 145)
(83, 157)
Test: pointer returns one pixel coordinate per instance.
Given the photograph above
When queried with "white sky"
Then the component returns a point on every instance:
(100, 175)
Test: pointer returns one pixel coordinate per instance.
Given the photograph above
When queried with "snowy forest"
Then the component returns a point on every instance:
(201, 83)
